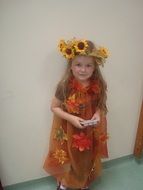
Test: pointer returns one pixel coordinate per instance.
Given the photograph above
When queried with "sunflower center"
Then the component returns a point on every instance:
(81, 45)
(68, 51)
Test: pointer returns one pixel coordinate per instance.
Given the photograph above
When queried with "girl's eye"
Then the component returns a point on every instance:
(78, 64)
(89, 65)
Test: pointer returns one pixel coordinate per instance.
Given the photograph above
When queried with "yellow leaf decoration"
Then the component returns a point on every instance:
(60, 155)
(60, 135)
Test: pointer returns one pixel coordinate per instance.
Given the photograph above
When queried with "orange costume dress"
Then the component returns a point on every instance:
(74, 156)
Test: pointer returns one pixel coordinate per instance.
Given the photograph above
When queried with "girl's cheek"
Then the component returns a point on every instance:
(76, 69)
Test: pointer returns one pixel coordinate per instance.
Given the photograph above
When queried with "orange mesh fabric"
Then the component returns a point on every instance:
(74, 156)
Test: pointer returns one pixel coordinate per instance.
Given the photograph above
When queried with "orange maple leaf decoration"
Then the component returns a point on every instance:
(72, 105)
(78, 94)
(81, 142)
(95, 87)
(103, 137)
(76, 86)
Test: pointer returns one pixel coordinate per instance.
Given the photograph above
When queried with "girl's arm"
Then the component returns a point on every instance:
(56, 108)
(96, 115)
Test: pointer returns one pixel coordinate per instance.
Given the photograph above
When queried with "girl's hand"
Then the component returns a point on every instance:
(74, 120)
(96, 115)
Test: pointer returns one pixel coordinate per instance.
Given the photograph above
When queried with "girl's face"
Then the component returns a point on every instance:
(82, 68)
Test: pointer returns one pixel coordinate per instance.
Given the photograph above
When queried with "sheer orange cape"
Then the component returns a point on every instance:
(74, 156)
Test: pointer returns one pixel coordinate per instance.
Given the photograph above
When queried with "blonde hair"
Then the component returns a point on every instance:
(63, 90)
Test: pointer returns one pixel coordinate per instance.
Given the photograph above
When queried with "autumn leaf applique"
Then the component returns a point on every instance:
(60, 155)
(81, 142)
(60, 135)
(72, 105)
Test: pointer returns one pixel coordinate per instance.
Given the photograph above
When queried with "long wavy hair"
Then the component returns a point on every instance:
(62, 87)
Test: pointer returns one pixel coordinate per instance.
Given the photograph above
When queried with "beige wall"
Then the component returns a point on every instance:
(31, 66)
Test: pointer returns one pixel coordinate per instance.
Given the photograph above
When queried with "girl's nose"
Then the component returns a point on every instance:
(83, 68)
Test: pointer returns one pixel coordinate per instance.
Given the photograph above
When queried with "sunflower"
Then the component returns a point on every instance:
(81, 46)
(68, 52)
(73, 47)
(103, 52)
(61, 45)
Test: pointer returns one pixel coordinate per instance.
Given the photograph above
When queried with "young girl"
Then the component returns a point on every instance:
(75, 149)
